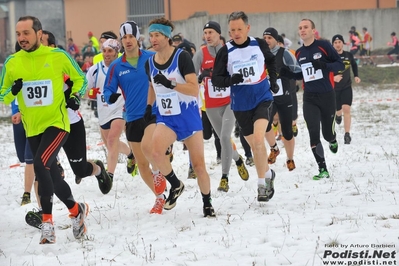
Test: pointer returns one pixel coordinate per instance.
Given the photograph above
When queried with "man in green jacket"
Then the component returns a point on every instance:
(35, 77)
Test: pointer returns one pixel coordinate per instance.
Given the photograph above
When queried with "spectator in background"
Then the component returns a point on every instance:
(287, 42)
(366, 49)
(89, 48)
(179, 43)
(94, 40)
(177, 39)
(354, 42)
(104, 36)
(395, 44)
(88, 62)
(72, 47)
(79, 59)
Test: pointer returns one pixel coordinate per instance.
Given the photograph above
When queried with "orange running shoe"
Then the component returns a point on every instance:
(158, 206)
(159, 183)
(290, 165)
(273, 155)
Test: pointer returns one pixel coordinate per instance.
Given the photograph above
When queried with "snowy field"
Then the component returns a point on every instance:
(308, 222)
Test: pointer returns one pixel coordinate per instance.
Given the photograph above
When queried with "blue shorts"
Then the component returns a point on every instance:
(22, 147)
(185, 124)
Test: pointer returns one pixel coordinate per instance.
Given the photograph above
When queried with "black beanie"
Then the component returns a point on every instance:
(337, 37)
(213, 25)
(272, 32)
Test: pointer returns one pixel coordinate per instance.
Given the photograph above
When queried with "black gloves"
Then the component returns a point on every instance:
(148, 116)
(236, 78)
(317, 64)
(114, 97)
(286, 73)
(16, 87)
(205, 73)
(274, 87)
(69, 83)
(73, 102)
(161, 79)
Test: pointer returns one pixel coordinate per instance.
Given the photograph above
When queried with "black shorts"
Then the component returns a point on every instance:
(246, 119)
(365, 52)
(108, 125)
(135, 129)
(344, 96)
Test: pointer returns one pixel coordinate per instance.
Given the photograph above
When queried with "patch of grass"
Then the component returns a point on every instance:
(371, 75)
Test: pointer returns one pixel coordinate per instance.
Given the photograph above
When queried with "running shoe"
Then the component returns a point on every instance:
(174, 194)
(266, 191)
(34, 218)
(48, 233)
(295, 130)
(25, 199)
(61, 169)
(273, 155)
(347, 138)
(78, 222)
(209, 211)
(333, 146)
(78, 179)
(223, 185)
(159, 183)
(323, 173)
(290, 165)
(191, 173)
(130, 165)
(250, 161)
(158, 206)
(104, 180)
(242, 170)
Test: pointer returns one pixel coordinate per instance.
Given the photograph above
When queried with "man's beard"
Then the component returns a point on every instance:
(34, 47)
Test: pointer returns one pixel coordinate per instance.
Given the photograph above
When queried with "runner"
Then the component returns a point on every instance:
(175, 88)
(42, 105)
(241, 64)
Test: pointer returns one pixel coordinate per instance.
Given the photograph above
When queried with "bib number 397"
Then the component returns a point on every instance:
(37, 93)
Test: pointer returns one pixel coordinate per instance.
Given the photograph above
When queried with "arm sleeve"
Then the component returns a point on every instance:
(111, 83)
(220, 75)
(197, 61)
(334, 62)
(290, 61)
(72, 69)
(270, 60)
(186, 65)
(6, 83)
(90, 77)
(353, 65)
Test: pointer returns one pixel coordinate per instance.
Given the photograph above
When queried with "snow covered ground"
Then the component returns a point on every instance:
(306, 223)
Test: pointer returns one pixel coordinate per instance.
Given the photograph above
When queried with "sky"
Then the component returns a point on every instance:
(352, 215)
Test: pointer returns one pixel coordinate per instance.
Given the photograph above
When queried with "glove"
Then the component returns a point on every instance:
(286, 73)
(317, 64)
(114, 97)
(69, 83)
(205, 73)
(16, 86)
(274, 87)
(93, 93)
(148, 116)
(73, 102)
(236, 78)
(161, 79)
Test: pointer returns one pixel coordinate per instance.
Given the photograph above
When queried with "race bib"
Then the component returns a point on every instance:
(168, 103)
(249, 70)
(215, 92)
(37, 93)
(280, 90)
(309, 73)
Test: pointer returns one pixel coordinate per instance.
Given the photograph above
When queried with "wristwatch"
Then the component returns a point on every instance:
(173, 84)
